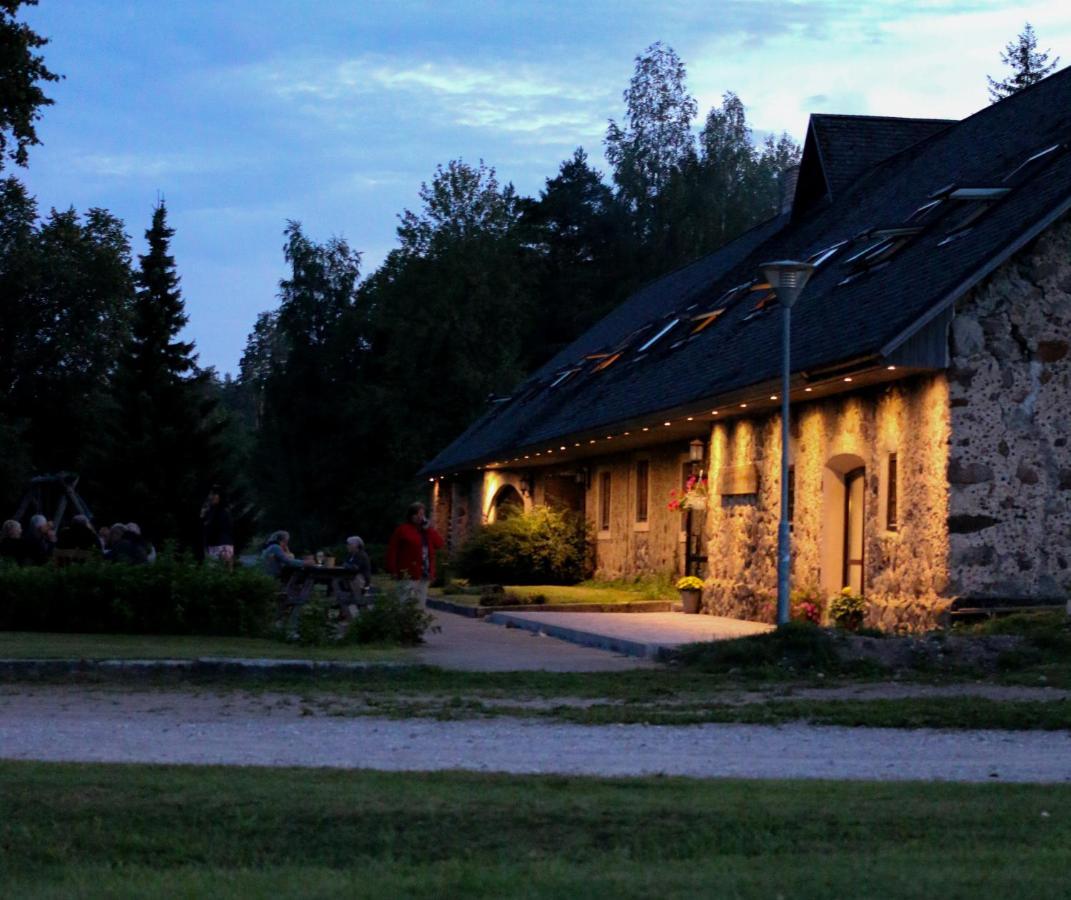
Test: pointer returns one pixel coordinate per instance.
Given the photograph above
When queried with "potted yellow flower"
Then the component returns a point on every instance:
(847, 610)
(691, 590)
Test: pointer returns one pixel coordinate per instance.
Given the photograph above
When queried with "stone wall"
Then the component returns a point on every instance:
(1010, 395)
(905, 570)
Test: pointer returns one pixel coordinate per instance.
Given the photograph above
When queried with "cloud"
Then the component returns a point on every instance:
(537, 101)
(143, 165)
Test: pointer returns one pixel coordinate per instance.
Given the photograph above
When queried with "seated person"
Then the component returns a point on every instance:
(357, 559)
(131, 547)
(11, 546)
(38, 542)
(276, 555)
(79, 535)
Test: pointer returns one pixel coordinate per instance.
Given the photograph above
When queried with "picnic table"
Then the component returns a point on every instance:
(342, 586)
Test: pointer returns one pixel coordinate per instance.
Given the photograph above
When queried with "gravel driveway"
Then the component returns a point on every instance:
(264, 730)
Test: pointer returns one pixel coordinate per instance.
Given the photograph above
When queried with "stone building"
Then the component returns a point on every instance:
(930, 386)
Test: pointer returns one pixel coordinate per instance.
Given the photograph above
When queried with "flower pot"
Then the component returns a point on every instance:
(691, 601)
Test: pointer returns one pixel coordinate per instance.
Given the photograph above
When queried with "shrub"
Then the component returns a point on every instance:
(544, 546)
(392, 619)
(792, 648)
(170, 597)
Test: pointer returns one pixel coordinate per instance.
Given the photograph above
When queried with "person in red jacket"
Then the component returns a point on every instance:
(411, 551)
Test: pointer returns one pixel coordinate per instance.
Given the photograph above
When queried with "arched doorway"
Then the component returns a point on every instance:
(843, 524)
(854, 507)
(506, 502)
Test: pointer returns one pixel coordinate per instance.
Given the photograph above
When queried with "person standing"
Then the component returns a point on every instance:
(218, 528)
(411, 551)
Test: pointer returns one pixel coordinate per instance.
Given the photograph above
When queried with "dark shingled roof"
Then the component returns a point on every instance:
(848, 146)
(844, 313)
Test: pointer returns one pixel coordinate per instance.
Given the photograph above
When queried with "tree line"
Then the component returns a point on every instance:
(352, 379)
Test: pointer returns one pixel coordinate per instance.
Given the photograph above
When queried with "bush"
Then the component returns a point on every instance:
(799, 646)
(392, 619)
(544, 546)
(170, 597)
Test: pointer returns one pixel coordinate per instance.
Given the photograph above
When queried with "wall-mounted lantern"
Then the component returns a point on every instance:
(695, 451)
(526, 483)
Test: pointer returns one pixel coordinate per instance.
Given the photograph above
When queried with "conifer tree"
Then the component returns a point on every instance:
(165, 452)
(1027, 64)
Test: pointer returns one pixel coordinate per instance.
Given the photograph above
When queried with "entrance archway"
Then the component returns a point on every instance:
(843, 524)
(506, 502)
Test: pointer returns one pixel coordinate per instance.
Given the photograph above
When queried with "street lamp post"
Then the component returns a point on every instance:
(787, 278)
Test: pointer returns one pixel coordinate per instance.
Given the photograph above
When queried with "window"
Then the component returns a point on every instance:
(606, 363)
(604, 501)
(891, 523)
(661, 333)
(563, 377)
(825, 255)
(1022, 167)
(706, 320)
(643, 469)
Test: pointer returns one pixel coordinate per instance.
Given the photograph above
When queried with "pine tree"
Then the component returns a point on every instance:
(165, 452)
(1027, 64)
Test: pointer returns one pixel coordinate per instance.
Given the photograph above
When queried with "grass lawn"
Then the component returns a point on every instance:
(41, 645)
(136, 831)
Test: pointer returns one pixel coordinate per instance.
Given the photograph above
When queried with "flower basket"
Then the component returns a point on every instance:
(694, 495)
(691, 591)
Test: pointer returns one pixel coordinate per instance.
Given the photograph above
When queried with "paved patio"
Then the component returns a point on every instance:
(475, 645)
(634, 634)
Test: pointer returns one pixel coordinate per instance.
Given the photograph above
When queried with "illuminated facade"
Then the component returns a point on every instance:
(931, 385)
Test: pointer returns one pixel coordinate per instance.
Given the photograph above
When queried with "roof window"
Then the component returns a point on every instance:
(926, 210)
(765, 301)
(978, 193)
(822, 256)
(705, 320)
(606, 363)
(564, 376)
(661, 333)
(1030, 161)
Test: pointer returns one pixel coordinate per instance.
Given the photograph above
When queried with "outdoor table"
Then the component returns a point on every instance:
(338, 581)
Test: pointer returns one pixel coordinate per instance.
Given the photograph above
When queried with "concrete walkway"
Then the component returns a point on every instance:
(476, 645)
(635, 634)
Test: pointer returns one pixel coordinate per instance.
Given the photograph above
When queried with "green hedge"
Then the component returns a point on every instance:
(169, 597)
(544, 546)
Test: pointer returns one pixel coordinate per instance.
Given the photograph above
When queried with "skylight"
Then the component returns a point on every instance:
(978, 193)
(825, 255)
(563, 377)
(651, 341)
(606, 363)
(706, 320)
(1041, 154)
(924, 211)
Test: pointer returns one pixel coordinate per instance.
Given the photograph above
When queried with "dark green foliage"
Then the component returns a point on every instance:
(67, 291)
(795, 647)
(170, 597)
(165, 449)
(1027, 64)
(21, 73)
(302, 367)
(392, 619)
(544, 546)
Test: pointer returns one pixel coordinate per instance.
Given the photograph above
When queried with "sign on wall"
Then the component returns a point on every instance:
(733, 480)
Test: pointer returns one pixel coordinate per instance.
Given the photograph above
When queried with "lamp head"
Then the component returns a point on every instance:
(695, 451)
(787, 277)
